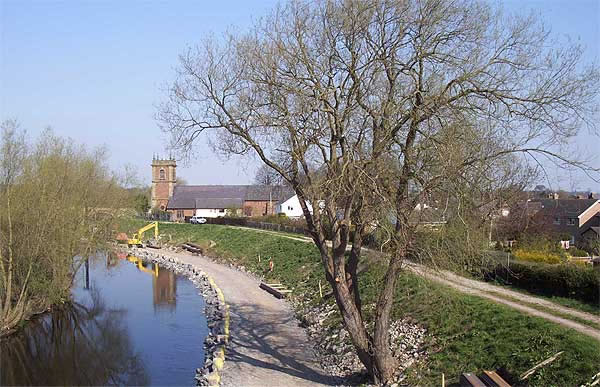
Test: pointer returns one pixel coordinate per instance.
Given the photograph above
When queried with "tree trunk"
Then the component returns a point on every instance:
(373, 351)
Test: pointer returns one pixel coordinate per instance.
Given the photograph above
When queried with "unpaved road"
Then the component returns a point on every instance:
(497, 297)
(266, 345)
(495, 293)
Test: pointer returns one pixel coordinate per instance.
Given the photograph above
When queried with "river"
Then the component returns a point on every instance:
(131, 324)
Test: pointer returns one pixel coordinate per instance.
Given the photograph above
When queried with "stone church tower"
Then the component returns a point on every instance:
(163, 182)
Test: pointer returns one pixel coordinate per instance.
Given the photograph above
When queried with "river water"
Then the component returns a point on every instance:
(131, 324)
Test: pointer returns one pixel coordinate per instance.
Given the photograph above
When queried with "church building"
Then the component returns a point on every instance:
(210, 201)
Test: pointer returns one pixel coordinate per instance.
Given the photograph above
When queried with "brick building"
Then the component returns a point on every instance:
(163, 182)
(210, 201)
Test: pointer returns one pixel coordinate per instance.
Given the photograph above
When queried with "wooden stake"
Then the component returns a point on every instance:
(258, 258)
(320, 289)
(531, 371)
(443, 380)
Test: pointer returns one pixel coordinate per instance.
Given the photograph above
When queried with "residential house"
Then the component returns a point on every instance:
(573, 217)
(290, 206)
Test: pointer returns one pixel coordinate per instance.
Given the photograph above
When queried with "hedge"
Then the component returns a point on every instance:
(537, 256)
(563, 280)
(248, 222)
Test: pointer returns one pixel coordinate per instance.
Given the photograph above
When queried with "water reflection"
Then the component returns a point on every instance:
(77, 345)
(164, 285)
(113, 334)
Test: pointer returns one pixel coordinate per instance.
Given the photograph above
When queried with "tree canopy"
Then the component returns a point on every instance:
(369, 109)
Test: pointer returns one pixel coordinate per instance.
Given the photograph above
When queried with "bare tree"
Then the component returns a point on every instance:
(267, 176)
(377, 106)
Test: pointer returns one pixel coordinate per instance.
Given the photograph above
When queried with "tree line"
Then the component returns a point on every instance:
(58, 205)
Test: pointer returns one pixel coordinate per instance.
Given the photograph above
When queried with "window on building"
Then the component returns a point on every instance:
(557, 220)
(221, 210)
(290, 208)
(179, 214)
(161, 174)
(572, 221)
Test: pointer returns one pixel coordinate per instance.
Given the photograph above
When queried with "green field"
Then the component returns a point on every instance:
(467, 333)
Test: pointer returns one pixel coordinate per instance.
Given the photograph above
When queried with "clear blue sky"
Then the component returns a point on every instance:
(93, 70)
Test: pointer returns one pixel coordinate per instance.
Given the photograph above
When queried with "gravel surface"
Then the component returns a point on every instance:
(337, 353)
(266, 345)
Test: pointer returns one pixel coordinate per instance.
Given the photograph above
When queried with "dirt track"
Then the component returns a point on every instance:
(497, 294)
(267, 347)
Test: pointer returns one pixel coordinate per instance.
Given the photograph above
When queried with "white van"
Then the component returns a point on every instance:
(197, 220)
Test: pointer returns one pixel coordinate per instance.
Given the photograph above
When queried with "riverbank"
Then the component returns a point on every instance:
(266, 347)
(464, 332)
(128, 323)
(216, 313)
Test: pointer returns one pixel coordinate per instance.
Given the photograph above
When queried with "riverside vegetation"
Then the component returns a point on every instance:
(463, 332)
(59, 202)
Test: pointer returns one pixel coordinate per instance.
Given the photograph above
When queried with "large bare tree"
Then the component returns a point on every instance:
(373, 107)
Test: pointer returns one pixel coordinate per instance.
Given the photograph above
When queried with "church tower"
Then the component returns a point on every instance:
(163, 182)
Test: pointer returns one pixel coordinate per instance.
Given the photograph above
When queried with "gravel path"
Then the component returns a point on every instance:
(487, 287)
(497, 294)
(497, 297)
(267, 347)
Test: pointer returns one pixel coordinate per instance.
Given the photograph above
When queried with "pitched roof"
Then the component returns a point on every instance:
(266, 192)
(219, 203)
(187, 196)
(566, 207)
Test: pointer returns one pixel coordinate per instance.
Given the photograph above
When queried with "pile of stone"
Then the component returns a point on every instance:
(336, 352)
(215, 312)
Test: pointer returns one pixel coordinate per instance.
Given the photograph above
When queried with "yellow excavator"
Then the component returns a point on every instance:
(140, 265)
(138, 236)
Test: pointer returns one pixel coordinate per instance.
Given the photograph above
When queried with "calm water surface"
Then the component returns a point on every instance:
(132, 324)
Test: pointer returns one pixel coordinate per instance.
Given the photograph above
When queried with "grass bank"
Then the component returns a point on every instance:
(468, 333)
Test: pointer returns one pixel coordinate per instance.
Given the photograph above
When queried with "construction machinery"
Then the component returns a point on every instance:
(138, 236)
(142, 266)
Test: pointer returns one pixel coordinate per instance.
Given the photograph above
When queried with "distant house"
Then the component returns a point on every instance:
(213, 201)
(568, 216)
(590, 239)
(209, 201)
(290, 206)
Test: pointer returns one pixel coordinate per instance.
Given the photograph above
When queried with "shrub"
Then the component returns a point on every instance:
(537, 256)
(573, 281)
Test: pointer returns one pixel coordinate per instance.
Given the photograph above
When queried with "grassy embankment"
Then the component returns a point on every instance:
(467, 333)
(569, 302)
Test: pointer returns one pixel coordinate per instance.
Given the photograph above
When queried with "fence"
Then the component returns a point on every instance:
(246, 222)
(161, 217)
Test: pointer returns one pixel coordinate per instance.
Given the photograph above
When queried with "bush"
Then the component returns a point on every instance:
(573, 281)
(537, 256)
(575, 252)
